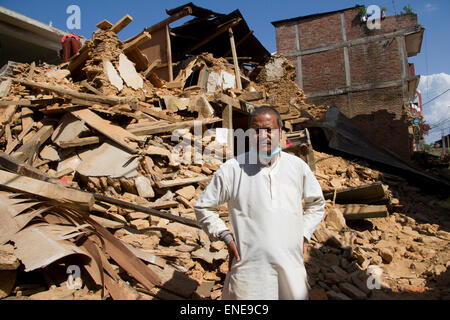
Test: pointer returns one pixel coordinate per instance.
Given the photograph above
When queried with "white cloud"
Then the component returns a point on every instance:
(429, 7)
(437, 111)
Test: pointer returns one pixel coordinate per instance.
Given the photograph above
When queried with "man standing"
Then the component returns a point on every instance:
(265, 208)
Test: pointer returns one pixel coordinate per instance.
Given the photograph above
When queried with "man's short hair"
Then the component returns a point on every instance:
(264, 110)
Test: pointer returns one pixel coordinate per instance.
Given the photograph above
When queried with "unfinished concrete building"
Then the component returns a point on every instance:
(364, 72)
(23, 39)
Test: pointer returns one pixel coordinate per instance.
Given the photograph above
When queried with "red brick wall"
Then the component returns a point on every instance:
(377, 112)
(286, 37)
(320, 31)
(323, 71)
(356, 30)
(374, 62)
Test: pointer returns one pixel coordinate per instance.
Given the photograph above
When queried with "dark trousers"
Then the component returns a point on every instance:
(71, 46)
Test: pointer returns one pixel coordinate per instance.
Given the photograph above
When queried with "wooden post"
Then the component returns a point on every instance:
(169, 53)
(227, 122)
(235, 60)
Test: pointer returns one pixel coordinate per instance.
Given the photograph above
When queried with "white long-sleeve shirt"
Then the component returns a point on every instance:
(268, 222)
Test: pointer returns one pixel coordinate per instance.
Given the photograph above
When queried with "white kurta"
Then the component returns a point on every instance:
(266, 215)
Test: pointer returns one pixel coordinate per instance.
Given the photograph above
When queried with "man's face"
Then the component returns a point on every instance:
(267, 132)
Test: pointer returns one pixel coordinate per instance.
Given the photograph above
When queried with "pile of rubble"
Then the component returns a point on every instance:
(99, 173)
(100, 166)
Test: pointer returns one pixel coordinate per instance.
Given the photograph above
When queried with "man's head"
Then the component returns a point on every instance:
(266, 121)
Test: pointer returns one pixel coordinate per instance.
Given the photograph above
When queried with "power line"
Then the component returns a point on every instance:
(436, 97)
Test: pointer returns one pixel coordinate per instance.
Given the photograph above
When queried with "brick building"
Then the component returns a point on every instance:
(364, 72)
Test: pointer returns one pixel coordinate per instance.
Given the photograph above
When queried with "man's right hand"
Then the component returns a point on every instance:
(233, 253)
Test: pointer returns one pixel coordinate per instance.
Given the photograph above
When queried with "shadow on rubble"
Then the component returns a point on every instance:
(334, 273)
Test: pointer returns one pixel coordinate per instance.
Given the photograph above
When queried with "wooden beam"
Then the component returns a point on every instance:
(113, 132)
(27, 150)
(180, 182)
(227, 122)
(79, 142)
(237, 72)
(371, 193)
(72, 93)
(121, 24)
(69, 197)
(104, 25)
(361, 211)
(173, 126)
(239, 42)
(135, 43)
(187, 11)
(85, 84)
(224, 28)
(150, 211)
(5, 86)
(169, 53)
(150, 68)
(12, 164)
(150, 110)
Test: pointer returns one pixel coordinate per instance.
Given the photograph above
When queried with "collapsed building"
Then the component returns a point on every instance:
(98, 172)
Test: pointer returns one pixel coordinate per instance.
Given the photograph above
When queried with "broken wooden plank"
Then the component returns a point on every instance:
(85, 84)
(12, 164)
(239, 42)
(63, 173)
(152, 111)
(146, 256)
(133, 44)
(27, 150)
(69, 197)
(121, 24)
(367, 194)
(174, 126)
(360, 211)
(163, 205)
(72, 93)
(180, 182)
(69, 128)
(79, 59)
(22, 102)
(251, 96)
(109, 224)
(79, 142)
(104, 25)
(115, 133)
(204, 41)
(125, 258)
(152, 66)
(5, 86)
(181, 14)
(237, 72)
(150, 211)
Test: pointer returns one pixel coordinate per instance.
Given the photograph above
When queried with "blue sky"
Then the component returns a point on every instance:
(433, 15)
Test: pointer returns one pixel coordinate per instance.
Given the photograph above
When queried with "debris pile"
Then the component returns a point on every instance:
(98, 169)
(98, 157)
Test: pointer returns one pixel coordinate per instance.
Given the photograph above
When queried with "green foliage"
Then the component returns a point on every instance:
(407, 9)
(362, 11)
